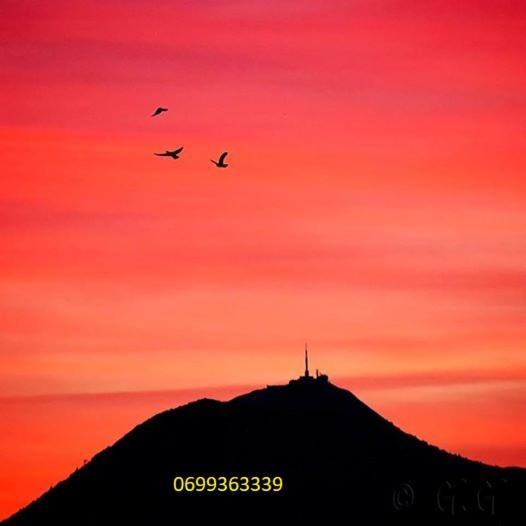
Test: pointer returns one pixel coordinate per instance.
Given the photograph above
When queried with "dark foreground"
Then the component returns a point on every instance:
(341, 463)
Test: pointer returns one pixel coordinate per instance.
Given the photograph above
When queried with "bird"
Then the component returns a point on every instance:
(221, 163)
(158, 111)
(174, 154)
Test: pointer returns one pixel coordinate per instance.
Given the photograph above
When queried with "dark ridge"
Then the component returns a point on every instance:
(340, 462)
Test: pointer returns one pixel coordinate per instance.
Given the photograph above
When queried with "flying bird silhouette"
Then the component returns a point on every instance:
(174, 154)
(158, 111)
(221, 162)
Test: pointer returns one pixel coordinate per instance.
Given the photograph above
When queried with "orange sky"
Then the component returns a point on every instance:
(374, 206)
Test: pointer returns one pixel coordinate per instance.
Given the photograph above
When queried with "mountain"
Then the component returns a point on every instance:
(339, 460)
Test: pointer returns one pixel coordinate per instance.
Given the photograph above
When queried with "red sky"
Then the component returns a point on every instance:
(374, 206)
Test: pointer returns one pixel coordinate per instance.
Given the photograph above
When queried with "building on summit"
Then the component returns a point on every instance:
(307, 378)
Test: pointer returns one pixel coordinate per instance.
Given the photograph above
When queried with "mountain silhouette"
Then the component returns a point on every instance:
(340, 462)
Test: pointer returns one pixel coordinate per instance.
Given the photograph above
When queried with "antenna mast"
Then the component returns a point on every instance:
(307, 375)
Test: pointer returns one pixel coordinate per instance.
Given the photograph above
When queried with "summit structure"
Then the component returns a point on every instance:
(307, 378)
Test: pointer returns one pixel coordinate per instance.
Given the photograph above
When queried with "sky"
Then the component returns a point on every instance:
(373, 206)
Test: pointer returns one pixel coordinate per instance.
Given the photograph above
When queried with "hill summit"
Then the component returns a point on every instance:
(338, 460)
